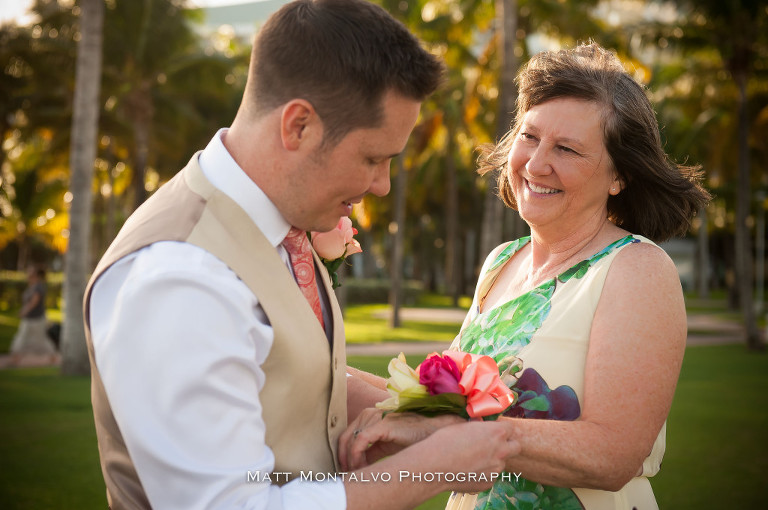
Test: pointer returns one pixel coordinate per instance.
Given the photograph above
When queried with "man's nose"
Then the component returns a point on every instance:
(381, 184)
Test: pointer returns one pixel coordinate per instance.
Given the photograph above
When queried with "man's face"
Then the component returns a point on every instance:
(334, 178)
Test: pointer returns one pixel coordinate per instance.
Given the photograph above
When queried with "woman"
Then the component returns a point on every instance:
(589, 304)
(31, 337)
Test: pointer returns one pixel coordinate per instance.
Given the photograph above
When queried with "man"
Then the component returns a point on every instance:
(218, 381)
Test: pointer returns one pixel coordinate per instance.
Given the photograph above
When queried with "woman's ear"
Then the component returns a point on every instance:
(616, 186)
(299, 124)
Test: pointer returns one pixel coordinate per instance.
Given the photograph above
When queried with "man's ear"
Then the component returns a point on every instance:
(298, 124)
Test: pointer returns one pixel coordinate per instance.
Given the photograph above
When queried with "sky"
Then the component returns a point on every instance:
(15, 9)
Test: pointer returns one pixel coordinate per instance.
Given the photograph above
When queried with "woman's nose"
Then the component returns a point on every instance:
(539, 162)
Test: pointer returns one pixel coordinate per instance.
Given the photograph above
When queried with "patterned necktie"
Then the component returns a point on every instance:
(296, 244)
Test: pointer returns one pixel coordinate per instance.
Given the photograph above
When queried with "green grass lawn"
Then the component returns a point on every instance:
(717, 451)
(717, 454)
(48, 447)
(362, 324)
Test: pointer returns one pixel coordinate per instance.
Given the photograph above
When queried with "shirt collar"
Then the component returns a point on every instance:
(225, 174)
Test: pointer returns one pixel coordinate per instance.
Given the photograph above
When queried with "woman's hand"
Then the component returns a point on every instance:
(465, 457)
(372, 436)
(475, 452)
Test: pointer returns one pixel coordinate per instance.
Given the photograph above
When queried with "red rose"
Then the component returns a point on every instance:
(439, 375)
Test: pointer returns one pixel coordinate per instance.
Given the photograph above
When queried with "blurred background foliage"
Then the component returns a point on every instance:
(171, 77)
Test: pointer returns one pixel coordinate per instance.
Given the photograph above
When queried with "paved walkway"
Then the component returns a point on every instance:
(30, 360)
(703, 329)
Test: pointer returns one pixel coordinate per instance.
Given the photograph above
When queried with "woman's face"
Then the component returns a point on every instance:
(559, 169)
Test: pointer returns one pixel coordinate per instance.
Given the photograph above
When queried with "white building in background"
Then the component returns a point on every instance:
(241, 20)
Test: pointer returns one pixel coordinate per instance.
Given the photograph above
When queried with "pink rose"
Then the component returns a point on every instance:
(439, 374)
(481, 383)
(337, 242)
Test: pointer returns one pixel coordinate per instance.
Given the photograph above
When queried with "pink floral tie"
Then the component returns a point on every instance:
(296, 244)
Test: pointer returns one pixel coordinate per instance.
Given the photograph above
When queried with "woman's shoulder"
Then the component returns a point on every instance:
(644, 258)
(503, 252)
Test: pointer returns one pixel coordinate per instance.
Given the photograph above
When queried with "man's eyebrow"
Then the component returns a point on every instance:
(382, 158)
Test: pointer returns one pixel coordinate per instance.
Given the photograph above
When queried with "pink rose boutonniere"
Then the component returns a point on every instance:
(455, 382)
(335, 246)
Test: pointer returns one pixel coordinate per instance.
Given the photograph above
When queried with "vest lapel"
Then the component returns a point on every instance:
(270, 270)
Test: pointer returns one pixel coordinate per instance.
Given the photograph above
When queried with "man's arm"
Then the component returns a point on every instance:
(179, 341)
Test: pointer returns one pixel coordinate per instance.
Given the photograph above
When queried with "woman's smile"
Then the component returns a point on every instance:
(542, 190)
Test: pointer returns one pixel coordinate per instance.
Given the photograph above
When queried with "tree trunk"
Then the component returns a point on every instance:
(22, 255)
(396, 270)
(744, 278)
(760, 254)
(506, 34)
(452, 258)
(110, 228)
(142, 112)
(703, 258)
(85, 118)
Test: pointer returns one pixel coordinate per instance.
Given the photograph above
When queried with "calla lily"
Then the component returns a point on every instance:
(403, 384)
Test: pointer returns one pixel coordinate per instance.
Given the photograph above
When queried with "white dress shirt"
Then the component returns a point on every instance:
(179, 341)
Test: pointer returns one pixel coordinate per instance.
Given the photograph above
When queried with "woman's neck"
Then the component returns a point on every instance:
(554, 252)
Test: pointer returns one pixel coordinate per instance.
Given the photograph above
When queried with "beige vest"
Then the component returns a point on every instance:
(304, 396)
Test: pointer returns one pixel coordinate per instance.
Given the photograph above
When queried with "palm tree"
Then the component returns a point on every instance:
(35, 96)
(162, 85)
(85, 120)
(735, 31)
(33, 198)
(506, 35)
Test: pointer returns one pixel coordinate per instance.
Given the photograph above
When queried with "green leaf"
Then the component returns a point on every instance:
(333, 265)
(538, 403)
(442, 403)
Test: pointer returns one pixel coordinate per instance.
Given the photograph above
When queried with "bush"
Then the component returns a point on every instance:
(374, 290)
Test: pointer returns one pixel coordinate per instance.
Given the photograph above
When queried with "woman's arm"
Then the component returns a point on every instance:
(636, 350)
(635, 353)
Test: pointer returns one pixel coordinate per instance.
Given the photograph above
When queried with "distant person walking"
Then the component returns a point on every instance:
(31, 337)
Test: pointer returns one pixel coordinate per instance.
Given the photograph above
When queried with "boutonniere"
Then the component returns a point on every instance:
(335, 246)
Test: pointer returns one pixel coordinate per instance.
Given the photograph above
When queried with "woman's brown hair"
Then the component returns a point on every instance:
(659, 197)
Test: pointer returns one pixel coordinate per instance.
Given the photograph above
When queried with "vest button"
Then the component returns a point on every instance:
(334, 420)
(335, 364)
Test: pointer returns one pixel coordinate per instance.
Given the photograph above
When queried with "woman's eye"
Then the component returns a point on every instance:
(567, 149)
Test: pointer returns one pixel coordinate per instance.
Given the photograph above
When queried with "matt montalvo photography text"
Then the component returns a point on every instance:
(403, 476)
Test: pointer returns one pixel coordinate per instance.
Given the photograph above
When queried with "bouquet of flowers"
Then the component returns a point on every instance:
(455, 382)
(335, 246)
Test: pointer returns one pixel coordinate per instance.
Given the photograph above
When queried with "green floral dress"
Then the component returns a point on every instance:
(548, 328)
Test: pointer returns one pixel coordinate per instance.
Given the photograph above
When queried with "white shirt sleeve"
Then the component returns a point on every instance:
(179, 342)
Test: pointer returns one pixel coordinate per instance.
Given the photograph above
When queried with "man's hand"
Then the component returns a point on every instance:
(371, 436)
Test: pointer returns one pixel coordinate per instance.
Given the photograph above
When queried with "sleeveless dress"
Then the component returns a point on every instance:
(548, 329)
